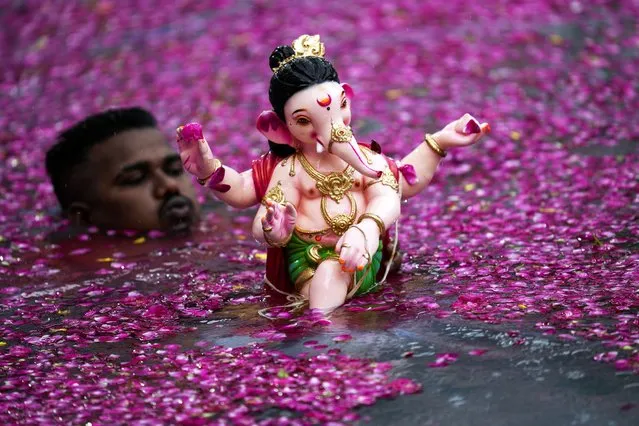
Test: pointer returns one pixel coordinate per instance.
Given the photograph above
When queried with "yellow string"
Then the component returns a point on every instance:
(395, 242)
(297, 301)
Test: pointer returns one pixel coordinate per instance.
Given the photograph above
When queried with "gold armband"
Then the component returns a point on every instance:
(275, 194)
(387, 179)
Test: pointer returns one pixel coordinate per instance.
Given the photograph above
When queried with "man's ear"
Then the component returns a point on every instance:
(78, 213)
(350, 93)
(270, 125)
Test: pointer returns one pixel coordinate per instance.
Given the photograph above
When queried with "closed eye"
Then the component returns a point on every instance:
(132, 176)
(173, 166)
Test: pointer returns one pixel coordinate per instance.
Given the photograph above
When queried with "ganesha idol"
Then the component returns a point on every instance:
(328, 202)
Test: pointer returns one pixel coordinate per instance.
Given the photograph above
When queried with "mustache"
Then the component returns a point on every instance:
(174, 201)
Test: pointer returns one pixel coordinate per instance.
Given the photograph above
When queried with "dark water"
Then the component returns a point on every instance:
(527, 379)
(523, 378)
(555, 203)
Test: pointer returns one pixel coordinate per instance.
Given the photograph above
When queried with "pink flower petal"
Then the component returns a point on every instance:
(342, 338)
(405, 386)
(408, 171)
(472, 127)
(192, 132)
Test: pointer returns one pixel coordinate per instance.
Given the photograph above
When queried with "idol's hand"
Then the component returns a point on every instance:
(356, 247)
(279, 222)
(462, 132)
(195, 152)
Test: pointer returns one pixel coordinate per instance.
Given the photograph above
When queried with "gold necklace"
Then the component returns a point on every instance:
(340, 222)
(334, 185)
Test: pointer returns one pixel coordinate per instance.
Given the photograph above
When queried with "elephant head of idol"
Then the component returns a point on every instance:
(311, 108)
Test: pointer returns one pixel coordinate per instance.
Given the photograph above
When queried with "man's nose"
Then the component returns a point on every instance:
(164, 184)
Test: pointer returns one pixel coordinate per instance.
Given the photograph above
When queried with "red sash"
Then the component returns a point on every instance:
(276, 270)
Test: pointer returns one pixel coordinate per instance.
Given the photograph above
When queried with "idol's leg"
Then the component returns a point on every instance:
(328, 288)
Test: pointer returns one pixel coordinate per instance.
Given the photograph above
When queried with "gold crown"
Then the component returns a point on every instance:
(304, 45)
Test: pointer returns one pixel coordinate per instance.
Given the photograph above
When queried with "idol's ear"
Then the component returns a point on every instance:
(270, 125)
(350, 93)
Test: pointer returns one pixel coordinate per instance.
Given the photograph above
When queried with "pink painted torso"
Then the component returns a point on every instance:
(308, 206)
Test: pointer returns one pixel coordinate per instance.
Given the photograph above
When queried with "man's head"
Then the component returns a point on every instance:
(116, 170)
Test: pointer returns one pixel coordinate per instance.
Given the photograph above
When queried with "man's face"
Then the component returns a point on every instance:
(136, 181)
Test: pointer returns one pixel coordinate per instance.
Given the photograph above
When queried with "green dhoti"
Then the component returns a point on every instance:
(304, 258)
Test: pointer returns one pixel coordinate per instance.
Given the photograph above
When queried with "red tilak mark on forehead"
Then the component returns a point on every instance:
(323, 102)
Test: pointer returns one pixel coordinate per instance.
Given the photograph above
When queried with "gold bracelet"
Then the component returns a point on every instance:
(432, 143)
(274, 244)
(203, 181)
(378, 221)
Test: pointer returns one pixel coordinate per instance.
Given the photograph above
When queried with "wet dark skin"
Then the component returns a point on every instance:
(134, 180)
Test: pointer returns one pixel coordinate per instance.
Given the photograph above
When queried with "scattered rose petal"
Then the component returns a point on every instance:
(342, 338)
(408, 171)
(192, 132)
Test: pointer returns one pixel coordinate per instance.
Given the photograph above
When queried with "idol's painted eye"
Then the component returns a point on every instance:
(303, 121)
(344, 103)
